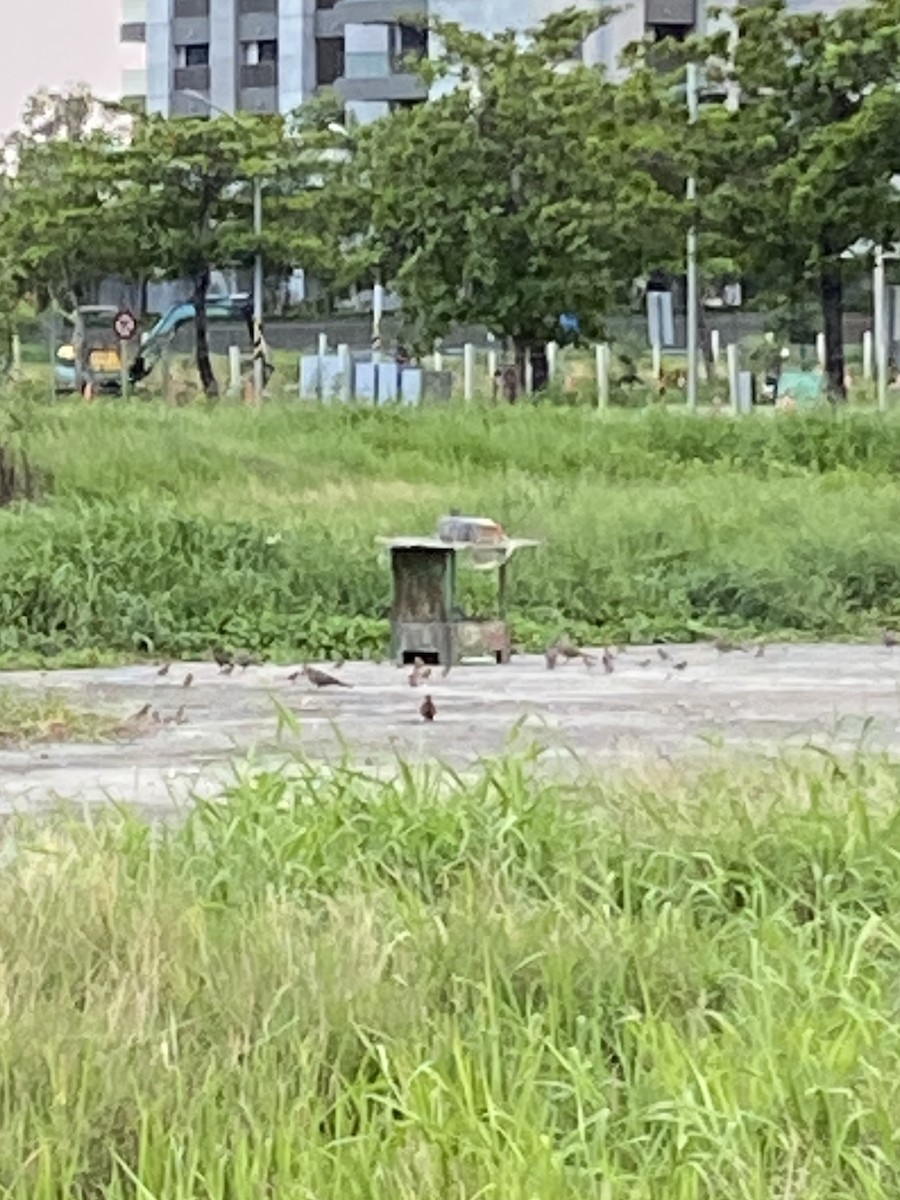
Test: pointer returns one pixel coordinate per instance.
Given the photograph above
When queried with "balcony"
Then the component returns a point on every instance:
(190, 8)
(191, 79)
(379, 12)
(260, 75)
(365, 79)
(248, 8)
(670, 12)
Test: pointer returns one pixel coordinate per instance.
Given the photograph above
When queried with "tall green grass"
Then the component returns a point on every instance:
(324, 985)
(168, 528)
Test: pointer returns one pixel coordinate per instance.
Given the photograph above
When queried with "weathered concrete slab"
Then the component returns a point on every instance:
(835, 696)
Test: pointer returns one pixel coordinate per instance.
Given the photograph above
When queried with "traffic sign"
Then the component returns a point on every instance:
(125, 324)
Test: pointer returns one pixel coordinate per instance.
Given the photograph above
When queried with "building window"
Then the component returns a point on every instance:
(675, 33)
(196, 55)
(323, 4)
(254, 53)
(329, 60)
(409, 42)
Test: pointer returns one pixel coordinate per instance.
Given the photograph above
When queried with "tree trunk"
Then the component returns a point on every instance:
(201, 328)
(831, 293)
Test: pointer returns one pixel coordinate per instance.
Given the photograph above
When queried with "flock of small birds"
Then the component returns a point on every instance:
(561, 651)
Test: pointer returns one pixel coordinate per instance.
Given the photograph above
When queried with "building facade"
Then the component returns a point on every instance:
(272, 55)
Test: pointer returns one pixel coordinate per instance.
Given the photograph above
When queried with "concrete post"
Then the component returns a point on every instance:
(715, 345)
(491, 359)
(733, 360)
(551, 351)
(346, 372)
(438, 360)
(602, 358)
(234, 370)
(656, 351)
(468, 371)
(16, 353)
(820, 349)
(867, 355)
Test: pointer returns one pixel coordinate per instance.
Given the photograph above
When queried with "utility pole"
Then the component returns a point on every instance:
(692, 296)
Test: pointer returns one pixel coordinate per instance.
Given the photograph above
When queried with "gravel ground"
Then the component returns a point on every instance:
(836, 696)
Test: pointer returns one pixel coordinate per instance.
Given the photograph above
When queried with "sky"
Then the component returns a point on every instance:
(54, 42)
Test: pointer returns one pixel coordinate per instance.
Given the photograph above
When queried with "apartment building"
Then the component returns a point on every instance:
(272, 55)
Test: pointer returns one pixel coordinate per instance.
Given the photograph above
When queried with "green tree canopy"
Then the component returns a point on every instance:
(800, 170)
(521, 193)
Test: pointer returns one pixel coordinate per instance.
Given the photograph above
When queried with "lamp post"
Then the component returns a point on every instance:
(259, 352)
(692, 297)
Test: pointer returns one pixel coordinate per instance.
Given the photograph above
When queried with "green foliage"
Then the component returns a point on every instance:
(801, 170)
(519, 194)
(168, 529)
(427, 987)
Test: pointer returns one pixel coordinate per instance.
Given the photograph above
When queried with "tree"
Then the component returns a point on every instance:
(184, 191)
(800, 171)
(54, 239)
(520, 194)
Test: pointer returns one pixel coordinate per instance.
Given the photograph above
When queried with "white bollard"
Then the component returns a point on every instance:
(491, 359)
(529, 374)
(468, 371)
(551, 352)
(323, 345)
(868, 356)
(820, 349)
(602, 357)
(715, 347)
(656, 351)
(234, 370)
(733, 361)
(345, 367)
(16, 353)
(438, 360)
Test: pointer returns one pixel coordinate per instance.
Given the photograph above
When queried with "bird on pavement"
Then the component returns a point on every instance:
(680, 666)
(141, 713)
(760, 650)
(889, 638)
(164, 669)
(188, 679)
(419, 672)
(427, 709)
(568, 650)
(322, 679)
(725, 647)
(222, 658)
(609, 661)
(663, 654)
(551, 657)
(244, 659)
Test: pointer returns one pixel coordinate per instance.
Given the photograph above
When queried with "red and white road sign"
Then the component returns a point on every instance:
(125, 324)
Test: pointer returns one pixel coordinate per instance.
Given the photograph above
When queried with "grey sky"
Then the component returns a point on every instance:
(54, 42)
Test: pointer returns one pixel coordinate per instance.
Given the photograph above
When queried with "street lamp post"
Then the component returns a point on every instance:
(692, 297)
(259, 351)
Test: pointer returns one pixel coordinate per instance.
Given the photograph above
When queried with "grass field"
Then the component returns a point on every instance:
(164, 528)
(323, 986)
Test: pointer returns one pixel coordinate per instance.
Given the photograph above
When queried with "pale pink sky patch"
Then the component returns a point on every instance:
(54, 42)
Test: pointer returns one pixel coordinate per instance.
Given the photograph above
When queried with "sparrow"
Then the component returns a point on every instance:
(760, 650)
(222, 658)
(227, 669)
(244, 659)
(427, 710)
(889, 638)
(322, 678)
(188, 679)
(725, 647)
(164, 669)
(680, 666)
(568, 650)
(551, 657)
(609, 661)
(415, 675)
(181, 716)
(338, 662)
(141, 713)
(663, 654)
